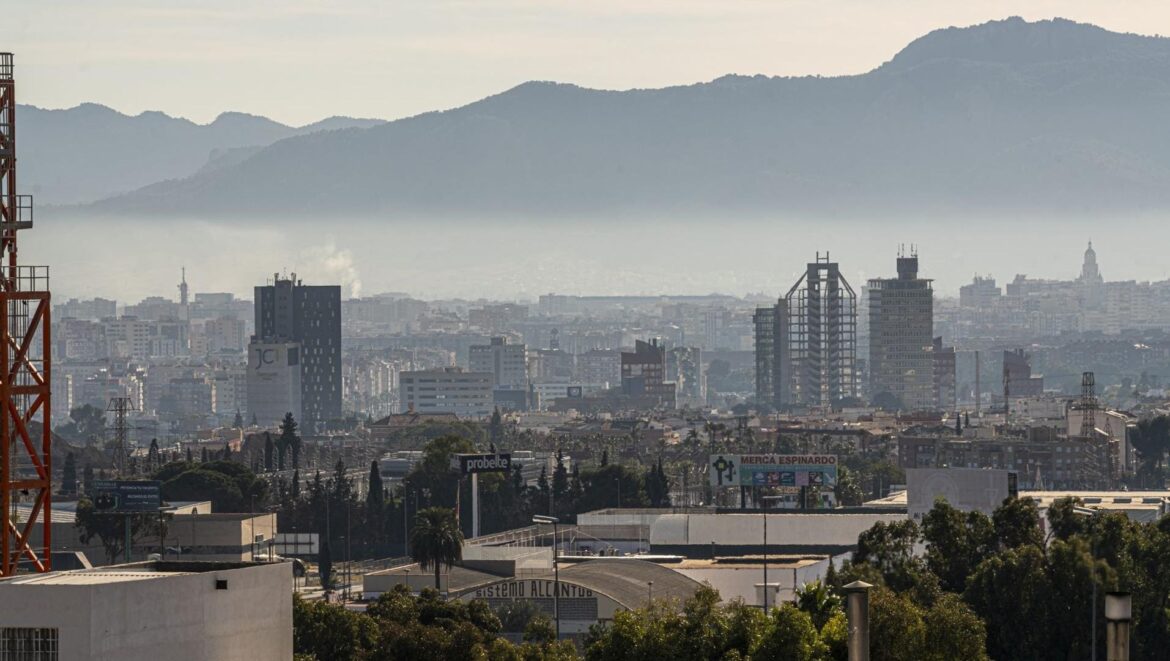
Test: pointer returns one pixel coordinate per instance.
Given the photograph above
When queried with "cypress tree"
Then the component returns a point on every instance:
(560, 482)
(325, 564)
(269, 449)
(375, 504)
(69, 476)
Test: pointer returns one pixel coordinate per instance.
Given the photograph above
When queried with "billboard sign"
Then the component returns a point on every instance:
(784, 471)
(965, 489)
(296, 543)
(467, 464)
(127, 496)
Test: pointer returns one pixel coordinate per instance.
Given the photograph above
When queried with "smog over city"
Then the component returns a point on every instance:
(507, 329)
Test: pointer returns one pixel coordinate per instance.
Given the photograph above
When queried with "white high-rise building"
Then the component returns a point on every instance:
(508, 363)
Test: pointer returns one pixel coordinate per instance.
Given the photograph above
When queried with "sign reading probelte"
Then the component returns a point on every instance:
(468, 464)
(127, 495)
(787, 471)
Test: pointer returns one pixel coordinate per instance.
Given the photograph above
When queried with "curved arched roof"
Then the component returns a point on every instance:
(626, 580)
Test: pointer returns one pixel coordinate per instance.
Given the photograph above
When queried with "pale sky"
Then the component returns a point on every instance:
(301, 60)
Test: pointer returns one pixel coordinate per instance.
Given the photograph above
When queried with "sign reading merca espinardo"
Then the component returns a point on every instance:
(774, 470)
(466, 464)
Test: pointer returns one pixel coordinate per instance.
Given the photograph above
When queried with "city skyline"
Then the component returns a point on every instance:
(330, 265)
(796, 329)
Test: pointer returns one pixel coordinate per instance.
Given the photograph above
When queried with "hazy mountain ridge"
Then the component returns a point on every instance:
(1006, 116)
(90, 151)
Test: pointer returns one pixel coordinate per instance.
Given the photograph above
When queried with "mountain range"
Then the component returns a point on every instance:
(91, 152)
(1005, 117)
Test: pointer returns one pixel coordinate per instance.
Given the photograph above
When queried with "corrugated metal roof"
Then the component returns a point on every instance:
(626, 580)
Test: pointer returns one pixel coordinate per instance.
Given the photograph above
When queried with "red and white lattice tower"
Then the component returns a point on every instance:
(25, 365)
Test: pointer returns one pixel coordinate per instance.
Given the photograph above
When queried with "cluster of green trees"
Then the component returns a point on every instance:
(423, 628)
(962, 585)
(1031, 593)
(86, 425)
(507, 502)
(815, 628)
(285, 450)
(706, 629)
(230, 486)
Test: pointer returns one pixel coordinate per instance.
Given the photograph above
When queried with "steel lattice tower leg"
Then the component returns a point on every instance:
(26, 468)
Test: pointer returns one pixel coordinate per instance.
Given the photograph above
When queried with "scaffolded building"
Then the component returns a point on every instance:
(806, 345)
(823, 336)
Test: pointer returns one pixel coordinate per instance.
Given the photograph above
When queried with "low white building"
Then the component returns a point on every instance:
(447, 390)
(177, 611)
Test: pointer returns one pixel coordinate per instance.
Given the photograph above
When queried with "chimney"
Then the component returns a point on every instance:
(857, 611)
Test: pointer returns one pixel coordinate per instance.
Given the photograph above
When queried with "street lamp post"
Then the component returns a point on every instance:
(539, 519)
(1092, 514)
(252, 528)
(344, 578)
(1118, 614)
(766, 563)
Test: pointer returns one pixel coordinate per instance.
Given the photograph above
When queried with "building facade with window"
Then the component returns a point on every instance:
(447, 390)
(288, 311)
(178, 611)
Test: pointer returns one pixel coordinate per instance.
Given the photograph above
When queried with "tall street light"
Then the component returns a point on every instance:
(1092, 514)
(539, 519)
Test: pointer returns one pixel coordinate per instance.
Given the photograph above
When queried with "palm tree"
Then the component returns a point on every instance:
(436, 540)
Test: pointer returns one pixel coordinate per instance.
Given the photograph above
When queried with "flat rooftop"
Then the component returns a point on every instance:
(138, 571)
(1102, 499)
(751, 562)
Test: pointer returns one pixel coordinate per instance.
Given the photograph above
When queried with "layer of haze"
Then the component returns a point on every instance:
(523, 260)
(300, 60)
(297, 61)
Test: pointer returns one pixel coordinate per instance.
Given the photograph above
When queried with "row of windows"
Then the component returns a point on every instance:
(28, 644)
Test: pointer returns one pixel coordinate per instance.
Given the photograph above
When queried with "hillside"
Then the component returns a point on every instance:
(91, 152)
(1006, 116)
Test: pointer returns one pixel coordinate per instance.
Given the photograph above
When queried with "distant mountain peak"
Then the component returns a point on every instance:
(1011, 115)
(1016, 41)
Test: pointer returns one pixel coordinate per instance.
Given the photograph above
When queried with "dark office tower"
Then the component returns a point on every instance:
(772, 369)
(822, 332)
(288, 311)
(901, 336)
(944, 376)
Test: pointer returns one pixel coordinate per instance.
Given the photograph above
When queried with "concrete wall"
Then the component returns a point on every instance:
(374, 584)
(228, 530)
(507, 560)
(784, 530)
(176, 617)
